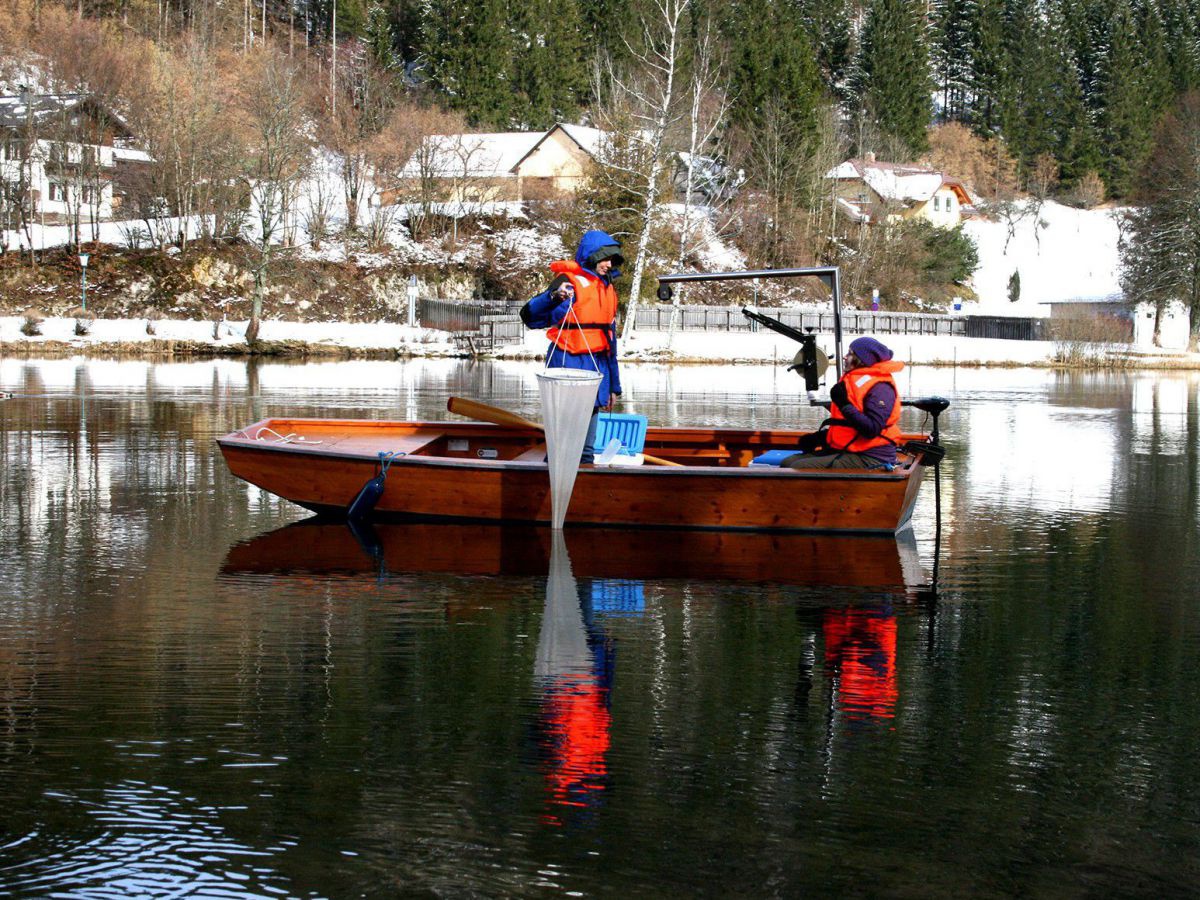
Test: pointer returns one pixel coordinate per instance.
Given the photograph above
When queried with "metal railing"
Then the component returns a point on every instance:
(461, 315)
(729, 318)
(482, 326)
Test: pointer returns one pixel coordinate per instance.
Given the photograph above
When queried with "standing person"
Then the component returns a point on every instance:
(580, 309)
(861, 431)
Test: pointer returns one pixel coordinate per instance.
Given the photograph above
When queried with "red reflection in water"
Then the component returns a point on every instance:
(577, 728)
(860, 647)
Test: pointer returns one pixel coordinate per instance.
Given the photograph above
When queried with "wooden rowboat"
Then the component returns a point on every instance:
(469, 471)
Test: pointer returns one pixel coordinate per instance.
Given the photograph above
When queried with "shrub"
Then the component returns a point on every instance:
(32, 322)
(1091, 341)
(153, 317)
(1087, 192)
(84, 320)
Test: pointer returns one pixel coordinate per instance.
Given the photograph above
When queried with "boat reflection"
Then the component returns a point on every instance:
(321, 547)
(593, 575)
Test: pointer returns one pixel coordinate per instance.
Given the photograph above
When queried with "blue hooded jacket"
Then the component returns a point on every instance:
(547, 308)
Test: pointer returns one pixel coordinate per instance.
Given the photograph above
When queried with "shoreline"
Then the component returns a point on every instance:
(331, 341)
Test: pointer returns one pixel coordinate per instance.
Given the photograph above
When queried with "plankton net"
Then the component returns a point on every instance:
(568, 398)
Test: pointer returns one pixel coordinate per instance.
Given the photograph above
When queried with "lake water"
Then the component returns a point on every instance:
(200, 697)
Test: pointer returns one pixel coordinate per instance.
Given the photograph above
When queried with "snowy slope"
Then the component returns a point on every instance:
(1065, 253)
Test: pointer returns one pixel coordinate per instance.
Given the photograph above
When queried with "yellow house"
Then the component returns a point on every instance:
(505, 166)
(868, 191)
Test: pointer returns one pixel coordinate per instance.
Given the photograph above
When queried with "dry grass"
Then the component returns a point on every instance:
(1092, 342)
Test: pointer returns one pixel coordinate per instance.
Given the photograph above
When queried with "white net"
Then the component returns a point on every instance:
(568, 398)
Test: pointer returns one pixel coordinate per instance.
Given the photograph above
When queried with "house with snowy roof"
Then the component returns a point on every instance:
(868, 191)
(517, 165)
(64, 156)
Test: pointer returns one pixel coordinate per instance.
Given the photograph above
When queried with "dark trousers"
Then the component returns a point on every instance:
(842, 460)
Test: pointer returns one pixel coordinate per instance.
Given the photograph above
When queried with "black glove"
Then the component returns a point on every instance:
(838, 395)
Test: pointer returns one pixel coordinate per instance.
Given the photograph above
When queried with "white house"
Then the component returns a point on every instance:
(518, 165)
(62, 154)
(868, 191)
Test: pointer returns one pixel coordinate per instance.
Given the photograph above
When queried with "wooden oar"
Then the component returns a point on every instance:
(473, 409)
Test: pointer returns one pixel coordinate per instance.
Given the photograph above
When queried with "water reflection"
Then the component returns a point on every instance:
(623, 556)
(573, 674)
(320, 713)
(860, 659)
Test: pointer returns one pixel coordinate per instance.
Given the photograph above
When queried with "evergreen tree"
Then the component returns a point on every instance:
(773, 67)
(892, 84)
(407, 21)
(1044, 110)
(1125, 122)
(1154, 68)
(468, 49)
(380, 40)
(1181, 21)
(550, 69)
(989, 66)
(828, 26)
(953, 61)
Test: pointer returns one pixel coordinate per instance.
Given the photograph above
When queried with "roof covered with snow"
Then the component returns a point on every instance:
(17, 110)
(899, 182)
(489, 155)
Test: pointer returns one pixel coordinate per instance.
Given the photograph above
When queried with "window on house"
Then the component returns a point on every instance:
(936, 200)
(56, 192)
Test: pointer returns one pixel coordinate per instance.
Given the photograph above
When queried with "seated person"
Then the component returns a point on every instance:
(861, 431)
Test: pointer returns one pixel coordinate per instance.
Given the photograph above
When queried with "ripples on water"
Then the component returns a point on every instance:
(200, 697)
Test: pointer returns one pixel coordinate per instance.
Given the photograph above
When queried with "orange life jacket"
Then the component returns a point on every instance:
(585, 329)
(858, 384)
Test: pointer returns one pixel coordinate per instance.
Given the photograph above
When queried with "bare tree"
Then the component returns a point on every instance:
(639, 104)
(278, 154)
(357, 116)
(1161, 259)
(411, 164)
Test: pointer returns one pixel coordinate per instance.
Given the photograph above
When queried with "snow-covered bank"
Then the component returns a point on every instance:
(229, 336)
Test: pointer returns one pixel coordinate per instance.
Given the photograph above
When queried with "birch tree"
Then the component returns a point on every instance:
(642, 100)
(705, 175)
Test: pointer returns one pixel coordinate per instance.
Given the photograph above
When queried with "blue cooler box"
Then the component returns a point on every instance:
(630, 430)
(772, 457)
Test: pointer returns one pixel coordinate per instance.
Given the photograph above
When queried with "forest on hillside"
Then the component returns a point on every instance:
(1071, 99)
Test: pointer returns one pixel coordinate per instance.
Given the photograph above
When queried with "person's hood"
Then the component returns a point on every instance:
(595, 246)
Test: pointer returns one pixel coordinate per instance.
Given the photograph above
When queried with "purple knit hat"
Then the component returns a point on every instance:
(869, 350)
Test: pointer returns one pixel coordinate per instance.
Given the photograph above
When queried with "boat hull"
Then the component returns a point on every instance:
(326, 478)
